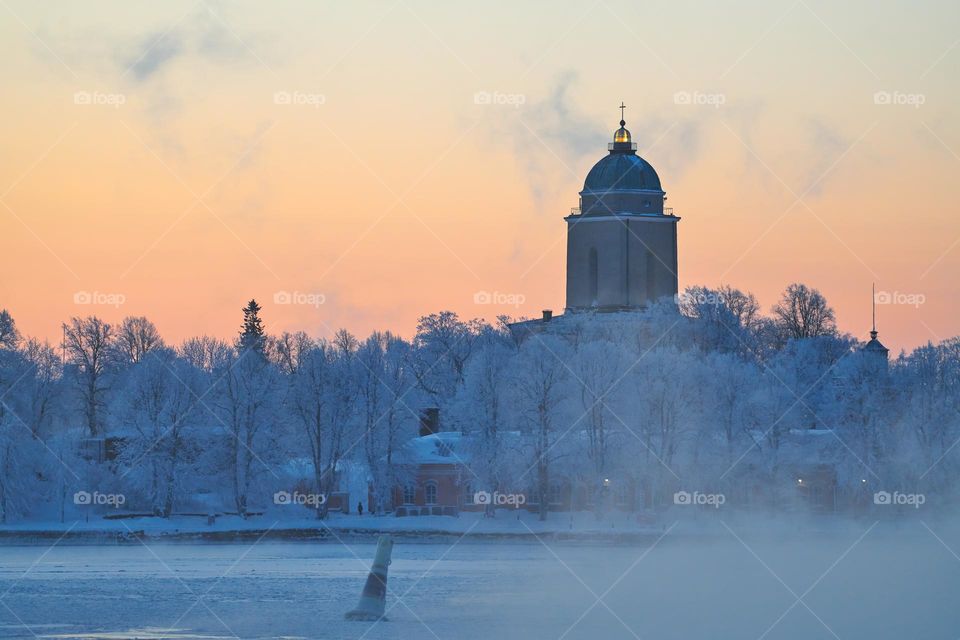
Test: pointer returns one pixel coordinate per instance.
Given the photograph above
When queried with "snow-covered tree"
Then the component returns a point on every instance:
(249, 402)
(207, 353)
(88, 343)
(384, 380)
(29, 382)
(321, 399)
(443, 346)
(252, 334)
(9, 336)
(726, 318)
(803, 312)
(135, 338)
(156, 408)
(541, 389)
(482, 410)
(38, 391)
(598, 367)
(665, 402)
(288, 350)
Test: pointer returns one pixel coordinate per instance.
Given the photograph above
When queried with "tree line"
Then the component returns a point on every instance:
(703, 391)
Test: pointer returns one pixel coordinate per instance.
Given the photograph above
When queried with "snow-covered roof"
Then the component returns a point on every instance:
(446, 447)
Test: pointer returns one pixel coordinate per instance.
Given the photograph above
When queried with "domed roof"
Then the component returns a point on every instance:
(622, 170)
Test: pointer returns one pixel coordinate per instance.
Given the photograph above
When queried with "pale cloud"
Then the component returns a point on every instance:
(156, 51)
(203, 34)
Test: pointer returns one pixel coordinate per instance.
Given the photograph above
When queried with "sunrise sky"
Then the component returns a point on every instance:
(182, 157)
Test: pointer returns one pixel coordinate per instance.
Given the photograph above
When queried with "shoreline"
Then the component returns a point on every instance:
(582, 528)
(335, 535)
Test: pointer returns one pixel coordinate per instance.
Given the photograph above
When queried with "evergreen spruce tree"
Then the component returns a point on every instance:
(252, 335)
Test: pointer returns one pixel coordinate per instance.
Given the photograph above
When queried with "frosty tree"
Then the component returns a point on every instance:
(135, 338)
(541, 389)
(803, 312)
(252, 336)
(321, 399)
(249, 404)
(161, 402)
(716, 394)
(9, 336)
(89, 344)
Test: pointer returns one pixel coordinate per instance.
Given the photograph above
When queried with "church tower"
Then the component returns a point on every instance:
(877, 354)
(621, 242)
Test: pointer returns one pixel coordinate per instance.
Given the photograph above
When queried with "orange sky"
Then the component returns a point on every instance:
(384, 191)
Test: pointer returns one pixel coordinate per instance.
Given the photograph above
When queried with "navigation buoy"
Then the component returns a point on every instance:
(374, 596)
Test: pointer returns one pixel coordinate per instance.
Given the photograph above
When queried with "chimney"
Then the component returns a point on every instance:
(547, 315)
(429, 421)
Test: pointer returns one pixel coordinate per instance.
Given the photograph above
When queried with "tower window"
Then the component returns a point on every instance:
(594, 276)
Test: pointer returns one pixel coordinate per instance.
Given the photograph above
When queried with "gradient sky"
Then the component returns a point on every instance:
(399, 195)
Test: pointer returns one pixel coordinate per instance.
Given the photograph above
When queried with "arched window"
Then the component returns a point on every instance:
(430, 492)
(594, 277)
(409, 494)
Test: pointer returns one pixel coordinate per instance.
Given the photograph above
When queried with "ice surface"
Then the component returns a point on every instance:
(858, 582)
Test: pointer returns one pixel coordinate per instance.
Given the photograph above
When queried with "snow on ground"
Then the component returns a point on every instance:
(863, 580)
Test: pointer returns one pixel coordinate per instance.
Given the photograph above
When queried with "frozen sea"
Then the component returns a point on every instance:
(864, 581)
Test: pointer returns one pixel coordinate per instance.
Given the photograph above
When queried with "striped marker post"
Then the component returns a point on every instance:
(374, 596)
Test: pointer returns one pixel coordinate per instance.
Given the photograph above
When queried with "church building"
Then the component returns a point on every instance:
(621, 241)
